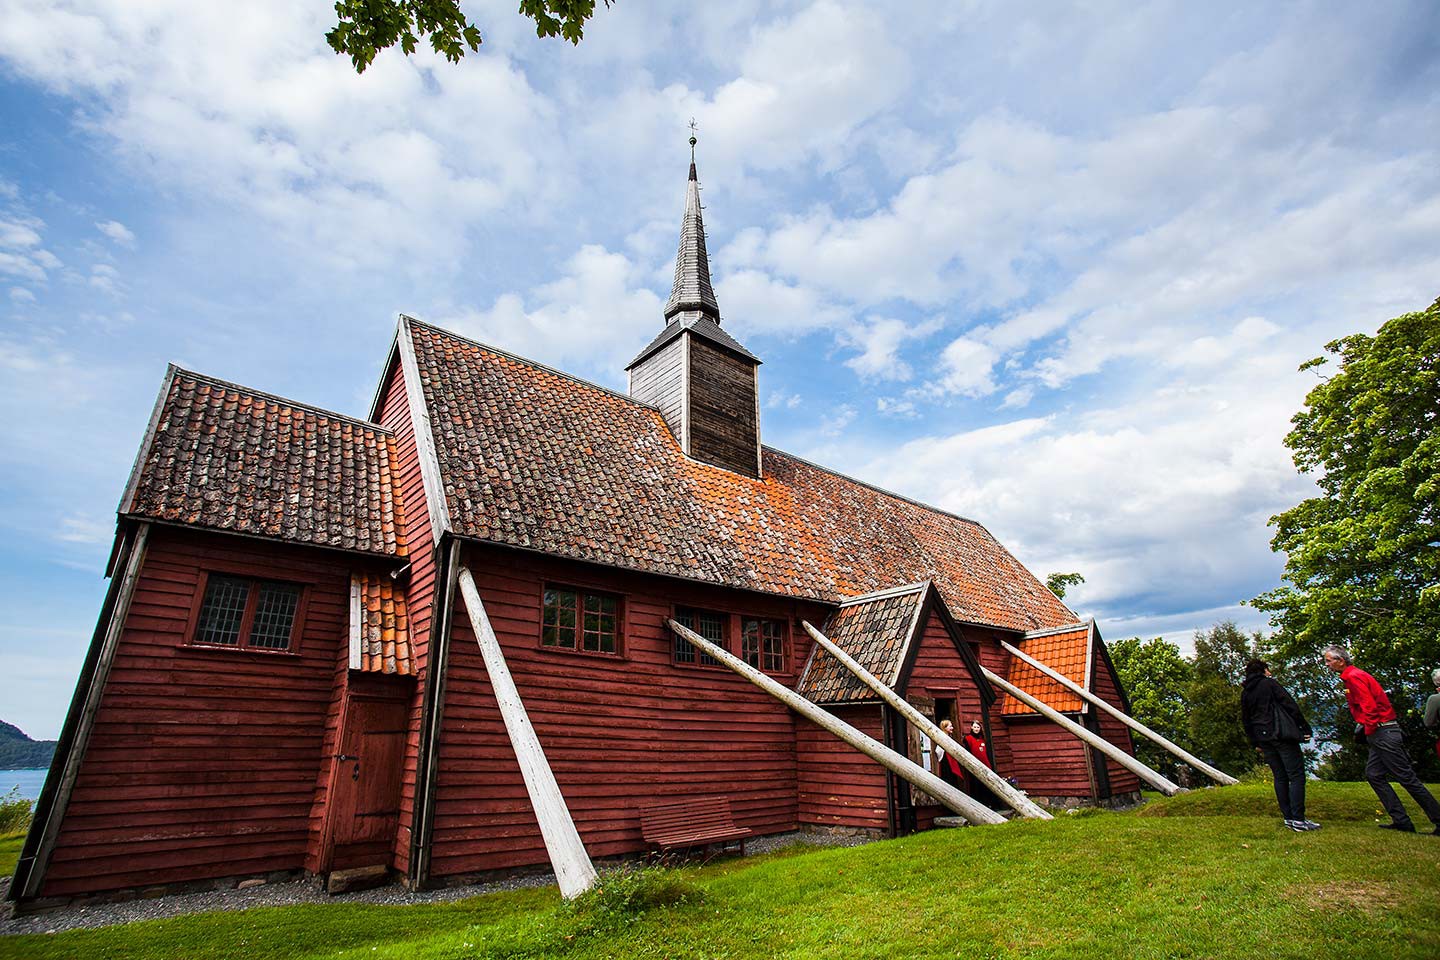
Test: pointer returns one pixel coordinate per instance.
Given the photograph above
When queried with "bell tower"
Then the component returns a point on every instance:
(704, 382)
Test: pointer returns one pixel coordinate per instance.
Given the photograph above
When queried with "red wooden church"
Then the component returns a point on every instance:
(283, 679)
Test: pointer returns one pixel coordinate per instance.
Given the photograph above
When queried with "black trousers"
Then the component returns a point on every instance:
(1288, 766)
(1389, 761)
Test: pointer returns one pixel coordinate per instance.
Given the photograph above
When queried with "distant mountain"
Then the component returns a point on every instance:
(19, 752)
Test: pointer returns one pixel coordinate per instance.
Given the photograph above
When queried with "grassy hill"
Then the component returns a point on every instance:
(1210, 874)
(19, 752)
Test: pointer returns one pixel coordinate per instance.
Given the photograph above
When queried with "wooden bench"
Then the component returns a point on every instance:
(691, 823)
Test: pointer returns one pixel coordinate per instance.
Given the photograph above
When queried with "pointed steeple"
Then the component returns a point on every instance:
(691, 290)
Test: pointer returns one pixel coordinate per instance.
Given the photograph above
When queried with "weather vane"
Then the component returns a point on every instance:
(693, 128)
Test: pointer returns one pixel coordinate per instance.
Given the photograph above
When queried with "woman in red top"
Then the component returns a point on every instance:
(975, 742)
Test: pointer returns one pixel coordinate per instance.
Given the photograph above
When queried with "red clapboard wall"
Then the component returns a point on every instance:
(204, 762)
(838, 785)
(619, 731)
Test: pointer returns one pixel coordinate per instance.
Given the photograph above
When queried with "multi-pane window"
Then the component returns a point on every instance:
(762, 644)
(580, 620)
(241, 612)
(708, 624)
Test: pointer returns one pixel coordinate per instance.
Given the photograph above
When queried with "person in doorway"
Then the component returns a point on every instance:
(975, 743)
(1274, 723)
(950, 770)
(1432, 708)
(1375, 718)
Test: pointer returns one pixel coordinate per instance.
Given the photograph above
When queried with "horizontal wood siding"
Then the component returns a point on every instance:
(659, 381)
(992, 656)
(1047, 761)
(838, 785)
(619, 732)
(204, 762)
(1121, 779)
(723, 428)
(394, 413)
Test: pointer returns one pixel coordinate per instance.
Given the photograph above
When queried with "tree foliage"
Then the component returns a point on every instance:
(365, 27)
(1363, 558)
(1156, 678)
(1214, 694)
(1060, 582)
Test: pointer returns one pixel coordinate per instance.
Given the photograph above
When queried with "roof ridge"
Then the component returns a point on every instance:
(887, 593)
(1051, 631)
(300, 405)
(527, 361)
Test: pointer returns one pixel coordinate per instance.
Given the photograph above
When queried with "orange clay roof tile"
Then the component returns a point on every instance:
(1067, 652)
(384, 627)
(532, 458)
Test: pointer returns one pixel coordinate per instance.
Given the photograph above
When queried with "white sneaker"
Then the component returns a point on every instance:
(1297, 825)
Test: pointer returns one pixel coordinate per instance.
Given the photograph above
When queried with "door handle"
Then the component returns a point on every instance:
(342, 757)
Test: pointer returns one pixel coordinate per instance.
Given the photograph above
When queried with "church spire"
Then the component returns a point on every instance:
(691, 290)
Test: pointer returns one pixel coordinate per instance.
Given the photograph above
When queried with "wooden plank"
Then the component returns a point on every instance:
(573, 870)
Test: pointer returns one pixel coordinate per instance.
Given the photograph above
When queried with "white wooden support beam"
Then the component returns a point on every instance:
(1017, 800)
(1156, 780)
(1220, 776)
(573, 869)
(967, 807)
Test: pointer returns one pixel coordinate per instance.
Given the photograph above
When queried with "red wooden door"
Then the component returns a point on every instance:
(365, 783)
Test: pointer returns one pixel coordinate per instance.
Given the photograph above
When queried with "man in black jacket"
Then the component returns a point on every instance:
(1274, 723)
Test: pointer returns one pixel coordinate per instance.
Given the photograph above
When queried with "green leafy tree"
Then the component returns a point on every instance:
(1156, 678)
(1362, 561)
(1060, 582)
(1216, 734)
(365, 27)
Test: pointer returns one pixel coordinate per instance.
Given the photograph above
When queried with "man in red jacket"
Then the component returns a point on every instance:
(1375, 717)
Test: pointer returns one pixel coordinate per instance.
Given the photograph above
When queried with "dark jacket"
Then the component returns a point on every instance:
(1260, 697)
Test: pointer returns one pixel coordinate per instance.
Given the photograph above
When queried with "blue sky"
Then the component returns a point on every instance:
(1053, 269)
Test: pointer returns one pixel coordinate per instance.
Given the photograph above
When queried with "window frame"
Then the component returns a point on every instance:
(726, 631)
(247, 619)
(784, 625)
(582, 591)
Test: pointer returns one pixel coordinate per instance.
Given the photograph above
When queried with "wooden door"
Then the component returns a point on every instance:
(365, 783)
(921, 750)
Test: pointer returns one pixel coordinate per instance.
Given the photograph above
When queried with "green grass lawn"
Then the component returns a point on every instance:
(1210, 874)
(10, 844)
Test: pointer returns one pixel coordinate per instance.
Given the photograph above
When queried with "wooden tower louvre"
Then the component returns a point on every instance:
(704, 382)
(511, 617)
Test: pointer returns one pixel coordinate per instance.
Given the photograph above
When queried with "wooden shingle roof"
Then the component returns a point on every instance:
(529, 457)
(877, 632)
(224, 457)
(1067, 651)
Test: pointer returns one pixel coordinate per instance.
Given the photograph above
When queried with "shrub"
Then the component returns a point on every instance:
(626, 895)
(15, 812)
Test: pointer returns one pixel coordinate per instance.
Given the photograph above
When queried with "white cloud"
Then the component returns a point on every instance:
(21, 253)
(966, 367)
(389, 167)
(594, 317)
(105, 278)
(21, 295)
(879, 340)
(117, 232)
(1160, 501)
(835, 423)
(780, 400)
(76, 528)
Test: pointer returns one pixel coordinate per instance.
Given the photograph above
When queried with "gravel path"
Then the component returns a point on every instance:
(309, 891)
